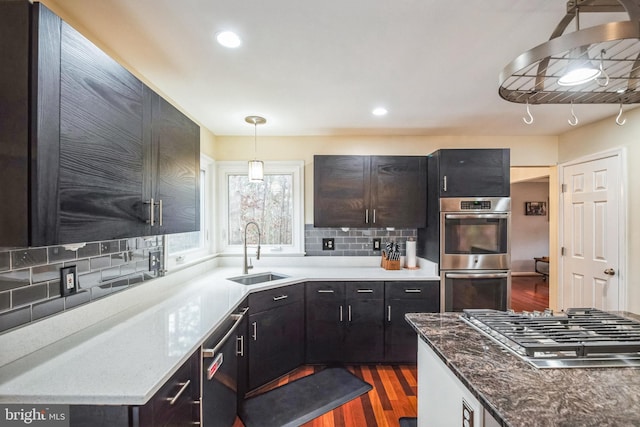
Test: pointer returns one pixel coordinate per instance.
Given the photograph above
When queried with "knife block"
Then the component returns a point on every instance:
(388, 264)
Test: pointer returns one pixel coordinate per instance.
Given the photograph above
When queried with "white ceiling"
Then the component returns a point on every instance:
(319, 68)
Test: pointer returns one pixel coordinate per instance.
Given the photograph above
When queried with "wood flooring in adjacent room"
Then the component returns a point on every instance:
(393, 396)
(529, 293)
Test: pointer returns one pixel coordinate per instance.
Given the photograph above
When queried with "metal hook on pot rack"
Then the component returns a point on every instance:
(602, 71)
(618, 121)
(573, 116)
(528, 120)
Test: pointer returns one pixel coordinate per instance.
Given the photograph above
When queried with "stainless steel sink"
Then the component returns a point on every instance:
(257, 278)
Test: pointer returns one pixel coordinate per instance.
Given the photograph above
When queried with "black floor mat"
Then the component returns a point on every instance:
(408, 422)
(302, 400)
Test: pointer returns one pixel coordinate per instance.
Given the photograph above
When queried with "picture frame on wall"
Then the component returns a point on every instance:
(535, 208)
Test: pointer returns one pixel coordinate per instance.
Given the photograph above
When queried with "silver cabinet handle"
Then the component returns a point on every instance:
(281, 297)
(349, 315)
(325, 291)
(255, 331)
(374, 216)
(444, 183)
(388, 313)
(412, 291)
(160, 212)
(366, 216)
(341, 313)
(240, 346)
(152, 208)
(365, 291)
(174, 399)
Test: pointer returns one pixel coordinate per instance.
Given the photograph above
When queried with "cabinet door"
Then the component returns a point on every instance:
(172, 164)
(325, 316)
(474, 173)
(101, 150)
(276, 343)
(341, 191)
(400, 339)
(364, 331)
(399, 191)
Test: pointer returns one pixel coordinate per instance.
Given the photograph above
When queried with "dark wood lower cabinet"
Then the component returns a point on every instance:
(400, 340)
(176, 404)
(344, 322)
(276, 338)
(364, 331)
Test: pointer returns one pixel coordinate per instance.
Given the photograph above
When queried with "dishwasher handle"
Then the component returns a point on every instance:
(211, 352)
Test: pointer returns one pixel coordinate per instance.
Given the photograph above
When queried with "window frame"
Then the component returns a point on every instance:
(190, 256)
(295, 168)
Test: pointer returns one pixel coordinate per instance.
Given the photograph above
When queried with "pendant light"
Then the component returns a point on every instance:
(256, 167)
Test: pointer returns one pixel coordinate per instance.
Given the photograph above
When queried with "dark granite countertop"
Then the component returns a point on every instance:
(517, 394)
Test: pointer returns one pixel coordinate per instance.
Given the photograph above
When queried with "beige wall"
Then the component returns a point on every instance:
(525, 151)
(602, 136)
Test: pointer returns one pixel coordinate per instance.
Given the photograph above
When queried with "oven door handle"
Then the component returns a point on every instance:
(476, 275)
(477, 216)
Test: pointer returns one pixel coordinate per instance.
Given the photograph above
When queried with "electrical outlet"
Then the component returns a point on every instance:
(467, 414)
(328, 244)
(377, 244)
(68, 280)
(154, 261)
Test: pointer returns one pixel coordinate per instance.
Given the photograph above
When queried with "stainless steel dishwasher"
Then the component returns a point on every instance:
(219, 373)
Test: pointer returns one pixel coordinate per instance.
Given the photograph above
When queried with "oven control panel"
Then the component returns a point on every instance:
(475, 205)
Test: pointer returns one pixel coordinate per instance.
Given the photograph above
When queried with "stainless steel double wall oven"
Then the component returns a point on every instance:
(475, 253)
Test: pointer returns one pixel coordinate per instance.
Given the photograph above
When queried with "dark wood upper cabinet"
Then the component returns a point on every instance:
(85, 145)
(101, 147)
(470, 173)
(172, 163)
(370, 191)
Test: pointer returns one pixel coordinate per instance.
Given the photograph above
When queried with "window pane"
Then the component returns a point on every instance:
(268, 203)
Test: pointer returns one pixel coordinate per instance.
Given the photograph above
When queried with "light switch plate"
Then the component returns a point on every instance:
(377, 244)
(68, 280)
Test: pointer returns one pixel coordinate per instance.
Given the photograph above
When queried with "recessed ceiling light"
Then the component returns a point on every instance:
(228, 39)
(379, 111)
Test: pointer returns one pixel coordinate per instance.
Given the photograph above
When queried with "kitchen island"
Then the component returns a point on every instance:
(509, 391)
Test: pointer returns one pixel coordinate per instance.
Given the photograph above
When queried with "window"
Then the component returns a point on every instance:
(276, 205)
(189, 247)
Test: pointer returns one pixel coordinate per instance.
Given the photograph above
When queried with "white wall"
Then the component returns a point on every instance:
(602, 136)
(529, 234)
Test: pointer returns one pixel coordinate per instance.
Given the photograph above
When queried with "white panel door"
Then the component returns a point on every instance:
(590, 234)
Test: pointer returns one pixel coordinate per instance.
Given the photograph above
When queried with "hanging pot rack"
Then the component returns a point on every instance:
(532, 78)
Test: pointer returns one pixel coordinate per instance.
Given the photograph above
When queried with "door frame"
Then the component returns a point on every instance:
(621, 154)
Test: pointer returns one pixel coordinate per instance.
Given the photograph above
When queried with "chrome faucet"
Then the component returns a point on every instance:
(247, 262)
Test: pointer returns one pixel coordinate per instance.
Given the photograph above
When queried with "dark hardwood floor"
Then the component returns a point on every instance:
(393, 396)
(529, 293)
(394, 393)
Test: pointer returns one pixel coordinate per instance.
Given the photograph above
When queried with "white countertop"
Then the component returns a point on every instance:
(121, 349)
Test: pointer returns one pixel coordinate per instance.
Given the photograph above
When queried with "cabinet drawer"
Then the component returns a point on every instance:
(412, 290)
(365, 290)
(325, 291)
(272, 298)
(177, 396)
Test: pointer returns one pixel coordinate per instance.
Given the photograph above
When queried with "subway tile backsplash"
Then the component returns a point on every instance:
(30, 278)
(354, 241)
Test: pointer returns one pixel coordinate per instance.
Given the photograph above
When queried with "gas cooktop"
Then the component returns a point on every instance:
(579, 338)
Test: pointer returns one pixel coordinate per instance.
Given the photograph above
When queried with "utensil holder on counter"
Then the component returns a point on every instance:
(388, 264)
